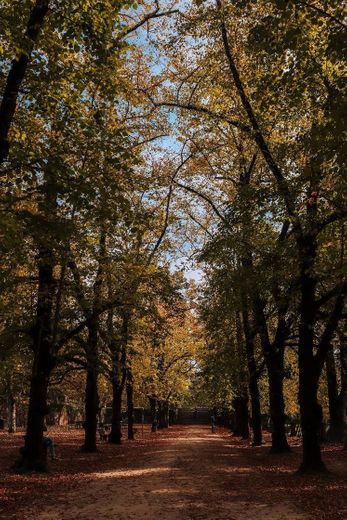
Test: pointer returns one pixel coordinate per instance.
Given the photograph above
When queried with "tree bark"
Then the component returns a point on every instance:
(12, 414)
(33, 456)
(118, 382)
(343, 392)
(92, 355)
(335, 431)
(115, 436)
(154, 415)
(130, 404)
(91, 410)
(275, 366)
(241, 418)
(310, 410)
(253, 378)
(274, 359)
(17, 72)
(91, 391)
(162, 415)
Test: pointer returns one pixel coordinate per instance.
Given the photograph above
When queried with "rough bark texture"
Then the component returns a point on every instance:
(17, 72)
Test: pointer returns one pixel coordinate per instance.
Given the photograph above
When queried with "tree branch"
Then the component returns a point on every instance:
(16, 74)
(257, 133)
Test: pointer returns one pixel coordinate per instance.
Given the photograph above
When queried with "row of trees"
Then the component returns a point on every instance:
(250, 94)
(86, 203)
(257, 90)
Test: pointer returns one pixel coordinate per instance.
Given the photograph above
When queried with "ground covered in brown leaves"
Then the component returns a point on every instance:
(182, 473)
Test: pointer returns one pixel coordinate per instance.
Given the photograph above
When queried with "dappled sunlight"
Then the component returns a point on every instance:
(181, 473)
(164, 491)
(126, 473)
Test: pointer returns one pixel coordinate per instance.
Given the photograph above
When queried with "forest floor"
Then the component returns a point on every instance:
(184, 473)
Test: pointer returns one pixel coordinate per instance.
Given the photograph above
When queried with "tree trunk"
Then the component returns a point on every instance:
(311, 423)
(91, 411)
(241, 419)
(253, 379)
(167, 413)
(310, 410)
(153, 405)
(343, 393)
(130, 404)
(91, 392)
(12, 414)
(17, 72)
(33, 456)
(92, 355)
(119, 353)
(275, 367)
(162, 417)
(118, 381)
(115, 436)
(274, 359)
(335, 431)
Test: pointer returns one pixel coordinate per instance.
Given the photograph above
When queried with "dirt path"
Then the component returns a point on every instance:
(188, 475)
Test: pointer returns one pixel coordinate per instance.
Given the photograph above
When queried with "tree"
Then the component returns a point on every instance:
(301, 55)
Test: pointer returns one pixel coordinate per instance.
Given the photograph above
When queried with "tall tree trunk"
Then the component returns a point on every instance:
(275, 367)
(17, 72)
(12, 413)
(115, 436)
(310, 410)
(253, 378)
(311, 421)
(130, 404)
(91, 410)
(119, 356)
(343, 393)
(91, 391)
(92, 355)
(274, 359)
(154, 415)
(335, 431)
(118, 381)
(167, 413)
(117, 376)
(33, 455)
(241, 418)
(162, 415)
(242, 399)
